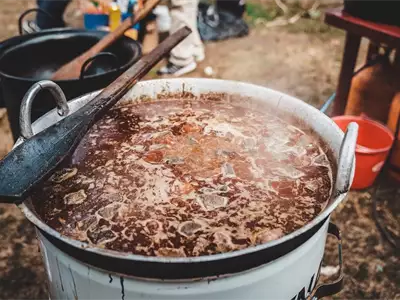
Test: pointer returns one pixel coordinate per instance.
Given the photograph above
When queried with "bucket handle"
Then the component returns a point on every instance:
(25, 122)
(27, 12)
(346, 160)
(329, 289)
(91, 59)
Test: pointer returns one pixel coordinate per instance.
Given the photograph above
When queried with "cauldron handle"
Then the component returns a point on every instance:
(90, 60)
(346, 160)
(329, 289)
(26, 105)
(27, 12)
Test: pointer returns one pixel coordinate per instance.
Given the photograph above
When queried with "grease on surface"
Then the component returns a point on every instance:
(189, 177)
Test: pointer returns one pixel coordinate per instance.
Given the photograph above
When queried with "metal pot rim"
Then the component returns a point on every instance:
(208, 258)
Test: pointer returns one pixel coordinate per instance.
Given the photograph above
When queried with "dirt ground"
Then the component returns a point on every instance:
(302, 60)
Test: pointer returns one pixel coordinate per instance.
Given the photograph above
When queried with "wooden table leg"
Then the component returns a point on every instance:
(346, 73)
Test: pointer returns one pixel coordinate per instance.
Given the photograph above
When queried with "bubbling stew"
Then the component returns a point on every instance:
(185, 175)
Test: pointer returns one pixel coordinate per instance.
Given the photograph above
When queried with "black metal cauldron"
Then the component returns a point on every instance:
(16, 40)
(27, 59)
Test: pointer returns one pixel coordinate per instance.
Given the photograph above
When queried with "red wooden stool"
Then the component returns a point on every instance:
(356, 28)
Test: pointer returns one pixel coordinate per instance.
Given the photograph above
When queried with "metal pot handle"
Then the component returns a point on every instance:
(101, 54)
(27, 12)
(25, 123)
(346, 160)
(329, 289)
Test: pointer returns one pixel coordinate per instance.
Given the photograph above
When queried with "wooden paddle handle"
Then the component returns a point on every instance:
(112, 93)
(72, 69)
(36, 158)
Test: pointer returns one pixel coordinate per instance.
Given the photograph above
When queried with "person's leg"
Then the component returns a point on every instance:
(184, 13)
(56, 9)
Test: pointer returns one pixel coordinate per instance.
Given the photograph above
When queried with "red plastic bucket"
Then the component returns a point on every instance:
(373, 144)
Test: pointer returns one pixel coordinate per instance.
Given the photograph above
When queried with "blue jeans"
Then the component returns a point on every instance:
(56, 9)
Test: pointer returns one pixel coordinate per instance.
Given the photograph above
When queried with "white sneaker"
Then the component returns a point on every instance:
(30, 27)
(171, 69)
(199, 55)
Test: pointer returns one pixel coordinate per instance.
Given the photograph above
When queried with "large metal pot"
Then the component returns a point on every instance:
(286, 268)
(30, 58)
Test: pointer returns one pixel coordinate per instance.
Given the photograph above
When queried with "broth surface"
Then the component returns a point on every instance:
(187, 177)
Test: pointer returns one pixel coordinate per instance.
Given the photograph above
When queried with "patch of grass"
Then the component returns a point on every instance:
(153, 73)
(311, 26)
(256, 11)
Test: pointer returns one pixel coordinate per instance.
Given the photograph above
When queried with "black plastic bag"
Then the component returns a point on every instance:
(218, 24)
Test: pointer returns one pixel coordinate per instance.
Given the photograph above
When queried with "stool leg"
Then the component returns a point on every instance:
(396, 62)
(373, 49)
(346, 72)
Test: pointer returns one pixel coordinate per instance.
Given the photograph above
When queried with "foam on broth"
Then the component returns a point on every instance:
(189, 176)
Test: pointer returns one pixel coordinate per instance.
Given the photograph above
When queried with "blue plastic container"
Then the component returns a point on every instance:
(129, 15)
(94, 21)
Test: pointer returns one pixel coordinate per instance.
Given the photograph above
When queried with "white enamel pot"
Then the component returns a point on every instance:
(287, 268)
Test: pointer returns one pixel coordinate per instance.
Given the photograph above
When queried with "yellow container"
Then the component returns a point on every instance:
(114, 16)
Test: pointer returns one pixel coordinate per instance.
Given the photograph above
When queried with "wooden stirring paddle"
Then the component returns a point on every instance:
(35, 159)
(72, 69)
